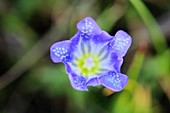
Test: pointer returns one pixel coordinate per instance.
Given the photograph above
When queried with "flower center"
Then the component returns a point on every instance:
(88, 65)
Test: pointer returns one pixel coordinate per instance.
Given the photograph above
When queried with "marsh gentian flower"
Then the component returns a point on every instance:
(92, 57)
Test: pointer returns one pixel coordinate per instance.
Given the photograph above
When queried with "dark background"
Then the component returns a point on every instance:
(31, 83)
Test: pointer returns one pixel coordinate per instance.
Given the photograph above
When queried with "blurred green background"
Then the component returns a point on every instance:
(31, 83)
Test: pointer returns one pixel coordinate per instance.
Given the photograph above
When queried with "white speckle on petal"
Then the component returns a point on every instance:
(114, 80)
(54, 50)
(63, 49)
(58, 55)
(87, 28)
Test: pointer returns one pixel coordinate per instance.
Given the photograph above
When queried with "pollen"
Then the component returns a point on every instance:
(88, 65)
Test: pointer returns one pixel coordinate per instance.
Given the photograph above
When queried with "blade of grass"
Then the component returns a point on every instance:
(157, 36)
(110, 15)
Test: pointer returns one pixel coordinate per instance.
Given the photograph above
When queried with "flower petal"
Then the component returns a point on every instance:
(59, 51)
(92, 82)
(120, 43)
(118, 64)
(75, 39)
(102, 38)
(116, 61)
(88, 27)
(114, 81)
(78, 82)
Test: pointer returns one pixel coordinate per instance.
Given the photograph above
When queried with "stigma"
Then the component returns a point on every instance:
(89, 63)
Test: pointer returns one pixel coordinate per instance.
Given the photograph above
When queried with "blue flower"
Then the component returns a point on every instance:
(92, 57)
